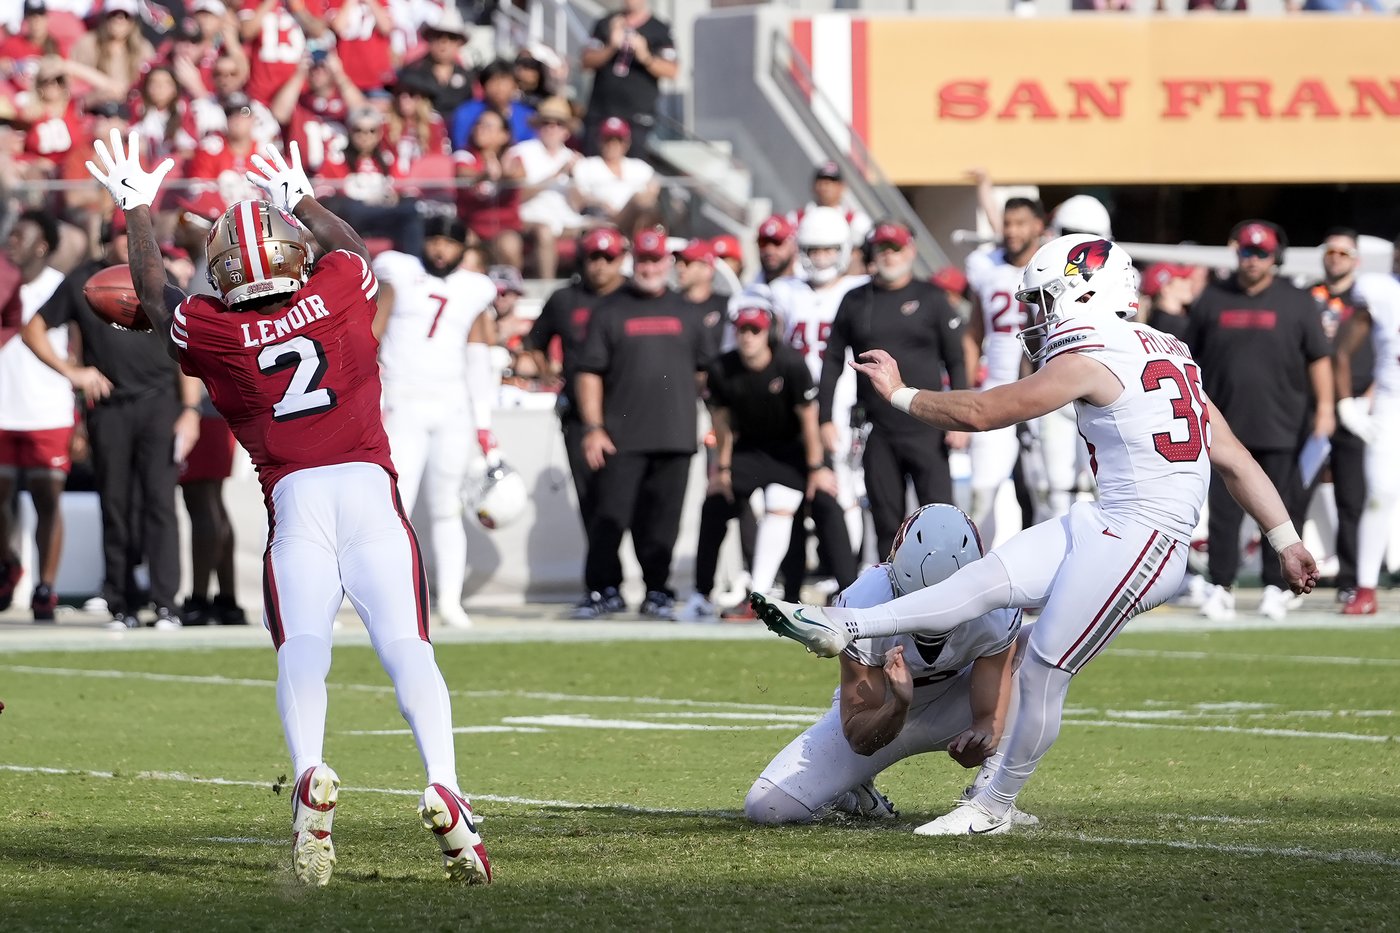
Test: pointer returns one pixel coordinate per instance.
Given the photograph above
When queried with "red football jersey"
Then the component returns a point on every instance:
(275, 50)
(298, 386)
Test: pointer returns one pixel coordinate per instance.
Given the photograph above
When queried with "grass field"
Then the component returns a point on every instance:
(1216, 781)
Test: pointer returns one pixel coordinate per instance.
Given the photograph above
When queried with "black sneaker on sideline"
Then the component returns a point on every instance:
(196, 611)
(44, 602)
(613, 601)
(167, 620)
(659, 605)
(228, 612)
(123, 622)
(592, 606)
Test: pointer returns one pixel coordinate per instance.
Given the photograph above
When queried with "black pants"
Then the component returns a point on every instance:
(1226, 515)
(890, 458)
(714, 523)
(641, 493)
(132, 451)
(833, 546)
(1349, 485)
(578, 467)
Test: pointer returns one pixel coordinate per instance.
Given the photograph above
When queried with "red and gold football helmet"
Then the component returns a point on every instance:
(255, 250)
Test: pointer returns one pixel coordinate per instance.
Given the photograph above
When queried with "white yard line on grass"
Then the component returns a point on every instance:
(1237, 730)
(214, 679)
(1237, 656)
(1360, 857)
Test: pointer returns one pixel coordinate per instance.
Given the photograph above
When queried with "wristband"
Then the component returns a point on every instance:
(723, 469)
(1282, 536)
(193, 408)
(903, 398)
(590, 428)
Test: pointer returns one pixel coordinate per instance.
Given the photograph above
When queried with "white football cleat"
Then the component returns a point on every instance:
(449, 816)
(453, 615)
(966, 819)
(1219, 605)
(866, 803)
(806, 624)
(313, 809)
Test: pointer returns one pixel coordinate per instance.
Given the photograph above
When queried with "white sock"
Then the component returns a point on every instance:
(769, 548)
(303, 662)
(425, 705)
(855, 527)
(974, 590)
(1034, 730)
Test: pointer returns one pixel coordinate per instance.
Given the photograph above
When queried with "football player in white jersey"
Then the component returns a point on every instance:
(807, 305)
(900, 696)
(1153, 438)
(436, 333)
(997, 318)
(1377, 316)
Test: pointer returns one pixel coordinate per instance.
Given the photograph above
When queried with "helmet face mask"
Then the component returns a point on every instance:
(256, 251)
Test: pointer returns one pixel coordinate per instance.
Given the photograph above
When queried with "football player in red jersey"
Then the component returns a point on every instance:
(289, 359)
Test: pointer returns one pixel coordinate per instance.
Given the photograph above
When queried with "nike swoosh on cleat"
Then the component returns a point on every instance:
(1112, 535)
(983, 832)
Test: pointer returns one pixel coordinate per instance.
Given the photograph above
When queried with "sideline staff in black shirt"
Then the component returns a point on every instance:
(762, 401)
(565, 316)
(1266, 365)
(132, 431)
(637, 393)
(915, 324)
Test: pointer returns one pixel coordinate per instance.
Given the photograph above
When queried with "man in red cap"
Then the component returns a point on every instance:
(1171, 289)
(556, 338)
(1267, 365)
(636, 393)
(622, 189)
(695, 273)
(777, 249)
(730, 251)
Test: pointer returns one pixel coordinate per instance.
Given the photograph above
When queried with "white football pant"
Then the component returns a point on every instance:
(1382, 490)
(432, 438)
(338, 531)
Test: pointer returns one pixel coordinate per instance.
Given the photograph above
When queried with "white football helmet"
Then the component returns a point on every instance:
(932, 544)
(1074, 275)
(824, 227)
(1082, 214)
(501, 498)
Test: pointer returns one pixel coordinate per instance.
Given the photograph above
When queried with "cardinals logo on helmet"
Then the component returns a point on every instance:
(1087, 258)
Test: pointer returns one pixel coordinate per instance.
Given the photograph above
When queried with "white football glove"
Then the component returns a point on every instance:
(1355, 415)
(285, 184)
(125, 180)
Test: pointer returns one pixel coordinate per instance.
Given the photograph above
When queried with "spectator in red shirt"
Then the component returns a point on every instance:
(313, 105)
(363, 29)
(363, 193)
(201, 41)
(490, 203)
(20, 53)
(52, 115)
(223, 158)
(275, 34)
(116, 49)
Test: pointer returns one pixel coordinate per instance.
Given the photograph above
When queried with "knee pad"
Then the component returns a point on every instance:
(769, 805)
(782, 499)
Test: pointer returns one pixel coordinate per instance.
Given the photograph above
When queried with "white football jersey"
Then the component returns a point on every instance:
(1150, 449)
(425, 340)
(994, 281)
(933, 660)
(32, 396)
(1381, 295)
(806, 315)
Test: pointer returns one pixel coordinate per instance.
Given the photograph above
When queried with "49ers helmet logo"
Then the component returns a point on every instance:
(1087, 258)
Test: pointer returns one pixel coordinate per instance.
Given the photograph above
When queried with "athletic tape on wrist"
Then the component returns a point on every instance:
(1282, 536)
(903, 398)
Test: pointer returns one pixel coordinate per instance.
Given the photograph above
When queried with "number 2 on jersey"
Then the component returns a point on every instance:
(1009, 317)
(304, 396)
(1185, 407)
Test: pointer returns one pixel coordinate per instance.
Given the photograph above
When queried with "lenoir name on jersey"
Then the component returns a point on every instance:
(311, 308)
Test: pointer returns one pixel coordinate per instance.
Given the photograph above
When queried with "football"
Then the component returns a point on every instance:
(113, 297)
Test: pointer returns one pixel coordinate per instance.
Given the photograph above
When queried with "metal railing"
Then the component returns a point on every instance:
(865, 182)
